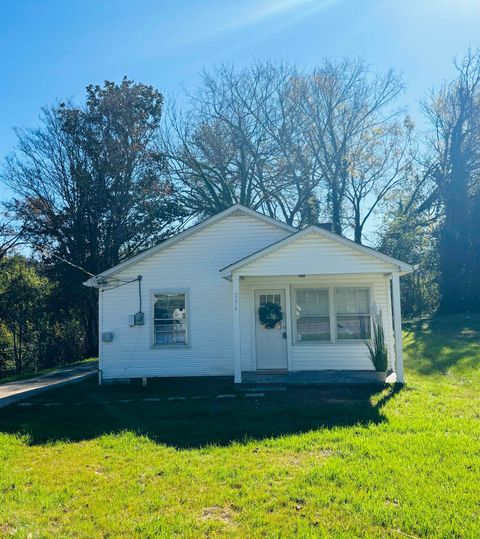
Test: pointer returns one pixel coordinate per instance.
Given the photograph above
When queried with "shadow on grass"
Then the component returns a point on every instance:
(434, 346)
(86, 411)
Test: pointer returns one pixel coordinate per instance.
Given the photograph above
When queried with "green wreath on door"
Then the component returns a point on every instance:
(270, 314)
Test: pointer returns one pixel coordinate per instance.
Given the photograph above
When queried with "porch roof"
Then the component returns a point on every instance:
(328, 253)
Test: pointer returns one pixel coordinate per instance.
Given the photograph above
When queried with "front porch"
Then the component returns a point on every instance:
(286, 355)
(327, 377)
(306, 306)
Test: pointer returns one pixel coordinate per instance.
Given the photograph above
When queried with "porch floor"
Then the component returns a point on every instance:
(313, 378)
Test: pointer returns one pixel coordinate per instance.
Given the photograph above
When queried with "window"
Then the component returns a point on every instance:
(312, 314)
(349, 319)
(170, 318)
(269, 298)
(352, 308)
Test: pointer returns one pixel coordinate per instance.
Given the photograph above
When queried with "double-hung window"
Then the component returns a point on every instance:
(348, 319)
(352, 310)
(312, 314)
(170, 318)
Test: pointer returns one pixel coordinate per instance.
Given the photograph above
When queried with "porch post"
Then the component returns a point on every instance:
(236, 328)
(100, 335)
(397, 326)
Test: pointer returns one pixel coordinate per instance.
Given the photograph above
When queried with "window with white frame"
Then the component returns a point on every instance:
(352, 311)
(348, 319)
(170, 318)
(312, 314)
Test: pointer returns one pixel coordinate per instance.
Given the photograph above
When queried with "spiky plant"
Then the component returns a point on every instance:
(376, 346)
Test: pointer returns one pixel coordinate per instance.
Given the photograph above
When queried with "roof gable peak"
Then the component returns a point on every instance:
(324, 233)
(235, 209)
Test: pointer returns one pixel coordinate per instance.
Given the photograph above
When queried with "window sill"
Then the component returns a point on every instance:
(312, 343)
(170, 347)
(349, 342)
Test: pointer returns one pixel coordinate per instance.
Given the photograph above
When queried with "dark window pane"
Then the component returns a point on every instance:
(352, 301)
(312, 301)
(313, 328)
(353, 327)
(312, 312)
(170, 318)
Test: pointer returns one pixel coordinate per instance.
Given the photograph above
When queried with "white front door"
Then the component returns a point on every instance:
(271, 334)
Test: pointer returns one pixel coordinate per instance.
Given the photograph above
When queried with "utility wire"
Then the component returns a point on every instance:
(44, 251)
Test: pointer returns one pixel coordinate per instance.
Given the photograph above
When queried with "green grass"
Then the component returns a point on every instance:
(31, 374)
(311, 462)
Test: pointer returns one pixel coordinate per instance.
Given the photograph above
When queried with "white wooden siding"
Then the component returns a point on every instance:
(314, 254)
(192, 264)
(313, 356)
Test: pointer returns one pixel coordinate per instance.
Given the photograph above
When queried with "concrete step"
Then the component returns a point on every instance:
(249, 387)
(332, 377)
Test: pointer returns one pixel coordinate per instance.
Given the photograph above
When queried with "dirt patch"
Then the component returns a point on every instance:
(216, 512)
(7, 529)
(302, 458)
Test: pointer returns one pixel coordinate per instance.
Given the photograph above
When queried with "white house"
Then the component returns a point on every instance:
(242, 293)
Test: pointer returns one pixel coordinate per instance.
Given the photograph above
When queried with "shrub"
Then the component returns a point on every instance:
(376, 347)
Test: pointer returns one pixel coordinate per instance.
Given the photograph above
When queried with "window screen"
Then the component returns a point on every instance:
(170, 318)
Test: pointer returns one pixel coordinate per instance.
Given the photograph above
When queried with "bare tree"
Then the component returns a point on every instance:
(11, 234)
(240, 142)
(378, 164)
(346, 108)
(289, 144)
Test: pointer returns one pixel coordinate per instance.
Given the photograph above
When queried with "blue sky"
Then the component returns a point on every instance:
(51, 49)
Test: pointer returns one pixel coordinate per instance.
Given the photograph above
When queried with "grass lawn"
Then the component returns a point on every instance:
(307, 462)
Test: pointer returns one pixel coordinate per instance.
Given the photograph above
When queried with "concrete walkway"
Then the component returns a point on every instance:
(22, 389)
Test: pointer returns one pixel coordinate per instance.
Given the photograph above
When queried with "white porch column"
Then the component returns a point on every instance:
(397, 326)
(100, 335)
(236, 328)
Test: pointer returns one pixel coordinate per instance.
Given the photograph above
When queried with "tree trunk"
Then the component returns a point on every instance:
(453, 250)
(336, 205)
(358, 228)
(17, 354)
(474, 252)
(91, 337)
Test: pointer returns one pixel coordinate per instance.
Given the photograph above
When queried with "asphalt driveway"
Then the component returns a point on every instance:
(22, 389)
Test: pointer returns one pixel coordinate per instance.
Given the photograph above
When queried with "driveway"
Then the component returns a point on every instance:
(22, 389)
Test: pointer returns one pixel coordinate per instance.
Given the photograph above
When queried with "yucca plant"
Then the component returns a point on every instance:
(376, 346)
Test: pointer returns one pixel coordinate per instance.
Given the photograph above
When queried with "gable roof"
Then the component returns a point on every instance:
(236, 209)
(402, 266)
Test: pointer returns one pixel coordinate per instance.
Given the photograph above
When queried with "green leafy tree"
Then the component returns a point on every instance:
(23, 319)
(413, 240)
(90, 189)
